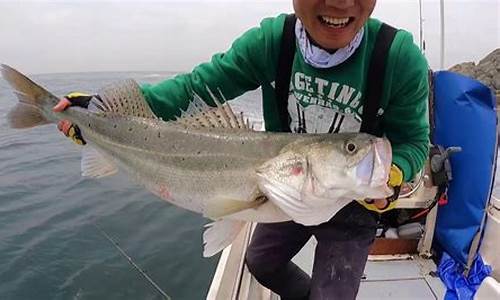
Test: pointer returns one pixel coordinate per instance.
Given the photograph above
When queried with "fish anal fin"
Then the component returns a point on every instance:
(95, 165)
(219, 235)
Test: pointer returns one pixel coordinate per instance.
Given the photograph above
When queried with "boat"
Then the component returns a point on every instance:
(396, 275)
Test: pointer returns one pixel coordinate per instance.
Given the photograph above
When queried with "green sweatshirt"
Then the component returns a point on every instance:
(321, 100)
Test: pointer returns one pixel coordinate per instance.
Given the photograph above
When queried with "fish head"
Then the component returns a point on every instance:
(354, 167)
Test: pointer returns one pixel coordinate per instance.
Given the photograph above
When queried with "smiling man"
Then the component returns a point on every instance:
(329, 88)
(333, 24)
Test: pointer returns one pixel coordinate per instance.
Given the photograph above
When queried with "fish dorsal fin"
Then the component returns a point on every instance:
(124, 98)
(199, 114)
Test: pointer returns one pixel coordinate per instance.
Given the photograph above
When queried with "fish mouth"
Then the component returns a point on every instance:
(373, 169)
(381, 162)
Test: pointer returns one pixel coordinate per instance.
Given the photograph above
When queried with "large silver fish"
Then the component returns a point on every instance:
(210, 162)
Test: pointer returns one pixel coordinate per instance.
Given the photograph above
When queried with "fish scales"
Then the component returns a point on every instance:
(186, 170)
(188, 175)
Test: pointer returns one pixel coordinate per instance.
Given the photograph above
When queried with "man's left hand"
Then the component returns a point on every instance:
(72, 99)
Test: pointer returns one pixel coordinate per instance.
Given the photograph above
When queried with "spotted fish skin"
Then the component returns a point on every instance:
(209, 161)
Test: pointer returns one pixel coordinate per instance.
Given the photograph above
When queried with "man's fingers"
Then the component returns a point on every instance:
(378, 203)
(64, 126)
(381, 203)
(62, 105)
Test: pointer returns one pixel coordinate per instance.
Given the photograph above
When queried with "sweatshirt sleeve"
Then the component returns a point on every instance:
(245, 66)
(406, 119)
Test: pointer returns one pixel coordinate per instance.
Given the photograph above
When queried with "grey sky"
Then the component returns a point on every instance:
(75, 36)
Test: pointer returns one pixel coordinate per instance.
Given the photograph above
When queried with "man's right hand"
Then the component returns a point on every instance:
(382, 205)
(65, 126)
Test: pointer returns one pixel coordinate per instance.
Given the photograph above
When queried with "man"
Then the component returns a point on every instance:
(335, 41)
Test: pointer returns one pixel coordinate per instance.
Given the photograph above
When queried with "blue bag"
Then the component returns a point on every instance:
(465, 116)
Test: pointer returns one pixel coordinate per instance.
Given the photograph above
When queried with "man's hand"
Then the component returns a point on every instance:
(383, 205)
(66, 127)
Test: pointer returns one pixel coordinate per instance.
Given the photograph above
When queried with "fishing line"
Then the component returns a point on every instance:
(129, 259)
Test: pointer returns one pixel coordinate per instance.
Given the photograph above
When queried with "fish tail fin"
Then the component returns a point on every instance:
(220, 234)
(26, 116)
(29, 112)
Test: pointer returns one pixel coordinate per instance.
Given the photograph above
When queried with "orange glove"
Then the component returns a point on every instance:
(70, 130)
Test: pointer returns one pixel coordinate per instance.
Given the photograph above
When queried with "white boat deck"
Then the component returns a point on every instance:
(393, 277)
(390, 277)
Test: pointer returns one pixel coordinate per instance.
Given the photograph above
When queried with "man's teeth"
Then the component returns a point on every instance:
(335, 22)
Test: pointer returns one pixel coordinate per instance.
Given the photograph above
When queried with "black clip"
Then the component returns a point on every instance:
(440, 164)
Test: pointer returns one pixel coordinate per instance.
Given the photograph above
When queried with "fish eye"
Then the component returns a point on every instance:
(350, 147)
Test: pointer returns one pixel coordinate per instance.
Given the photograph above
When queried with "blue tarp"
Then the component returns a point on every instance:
(465, 116)
(458, 286)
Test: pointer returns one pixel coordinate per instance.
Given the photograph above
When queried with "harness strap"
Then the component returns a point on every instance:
(284, 71)
(375, 80)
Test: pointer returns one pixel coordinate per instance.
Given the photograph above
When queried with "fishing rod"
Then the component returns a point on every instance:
(442, 32)
(421, 26)
(129, 259)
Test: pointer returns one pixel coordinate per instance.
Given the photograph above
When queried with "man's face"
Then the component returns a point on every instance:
(332, 24)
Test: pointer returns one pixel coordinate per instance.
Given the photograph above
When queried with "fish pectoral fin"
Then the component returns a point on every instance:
(220, 234)
(95, 165)
(220, 207)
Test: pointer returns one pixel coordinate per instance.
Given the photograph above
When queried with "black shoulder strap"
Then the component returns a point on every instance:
(432, 122)
(375, 80)
(284, 71)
